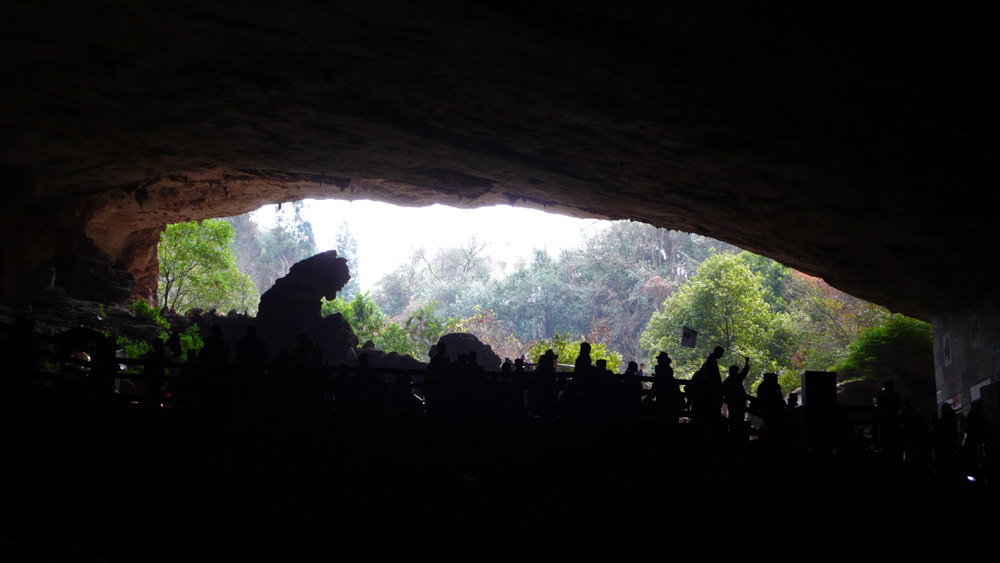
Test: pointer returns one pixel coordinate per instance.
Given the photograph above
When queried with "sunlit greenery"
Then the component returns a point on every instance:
(895, 345)
(568, 350)
(725, 303)
(628, 289)
(198, 269)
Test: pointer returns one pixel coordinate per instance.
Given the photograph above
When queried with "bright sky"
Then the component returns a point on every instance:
(387, 234)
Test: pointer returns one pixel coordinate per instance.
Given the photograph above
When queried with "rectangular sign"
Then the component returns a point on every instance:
(689, 337)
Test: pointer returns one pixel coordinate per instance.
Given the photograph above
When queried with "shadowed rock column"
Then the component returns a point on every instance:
(293, 305)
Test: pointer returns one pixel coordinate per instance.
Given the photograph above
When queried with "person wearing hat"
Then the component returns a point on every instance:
(669, 401)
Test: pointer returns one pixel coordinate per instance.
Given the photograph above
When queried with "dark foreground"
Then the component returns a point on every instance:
(121, 482)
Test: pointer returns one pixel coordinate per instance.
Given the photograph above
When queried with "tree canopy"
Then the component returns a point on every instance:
(724, 302)
(267, 253)
(198, 269)
(629, 288)
(346, 246)
(894, 346)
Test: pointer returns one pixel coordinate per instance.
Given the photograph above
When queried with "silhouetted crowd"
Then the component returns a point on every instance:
(300, 379)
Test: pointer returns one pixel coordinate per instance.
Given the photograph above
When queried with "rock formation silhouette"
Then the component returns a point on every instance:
(293, 305)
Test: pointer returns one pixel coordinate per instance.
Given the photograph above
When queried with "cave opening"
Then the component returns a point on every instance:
(860, 161)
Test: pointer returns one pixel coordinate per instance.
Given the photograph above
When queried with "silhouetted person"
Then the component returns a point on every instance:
(213, 363)
(215, 351)
(251, 350)
(583, 362)
(542, 389)
(630, 392)
(437, 381)
(519, 365)
(440, 361)
(771, 406)
(705, 390)
(174, 345)
(517, 386)
(668, 399)
(735, 397)
(605, 388)
(473, 365)
(250, 361)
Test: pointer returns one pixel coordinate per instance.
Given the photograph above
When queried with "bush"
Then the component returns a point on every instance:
(147, 312)
(897, 345)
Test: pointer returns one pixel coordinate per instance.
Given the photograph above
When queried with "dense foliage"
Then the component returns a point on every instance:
(725, 303)
(414, 337)
(346, 246)
(896, 345)
(568, 350)
(198, 269)
(617, 278)
(628, 289)
(267, 253)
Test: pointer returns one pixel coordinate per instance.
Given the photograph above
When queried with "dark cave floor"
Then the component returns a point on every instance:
(121, 482)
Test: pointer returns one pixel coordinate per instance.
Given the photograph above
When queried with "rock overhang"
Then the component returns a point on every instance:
(848, 144)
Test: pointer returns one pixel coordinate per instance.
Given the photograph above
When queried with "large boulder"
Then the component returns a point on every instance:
(293, 305)
(463, 343)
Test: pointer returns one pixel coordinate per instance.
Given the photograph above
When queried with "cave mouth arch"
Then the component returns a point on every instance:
(861, 162)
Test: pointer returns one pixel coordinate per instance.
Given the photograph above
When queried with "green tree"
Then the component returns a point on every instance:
(396, 291)
(537, 301)
(266, 254)
(617, 278)
(896, 346)
(827, 321)
(772, 275)
(287, 242)
(347, 248)
(425, 327)
(246, 242)
(723, 301)
(421, 330)
(361, 312)
(198, 269)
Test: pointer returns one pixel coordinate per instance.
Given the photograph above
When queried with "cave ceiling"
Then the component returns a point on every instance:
(850, 142)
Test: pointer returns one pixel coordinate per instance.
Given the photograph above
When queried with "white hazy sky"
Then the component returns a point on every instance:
(388, 234)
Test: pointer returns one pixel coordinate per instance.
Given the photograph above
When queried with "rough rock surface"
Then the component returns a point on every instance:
(851, 142)
(389, 360)
(463, 343)
(90, 273)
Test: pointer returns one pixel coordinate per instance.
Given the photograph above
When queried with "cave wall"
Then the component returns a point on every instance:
(967, 351)
(850, 142)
